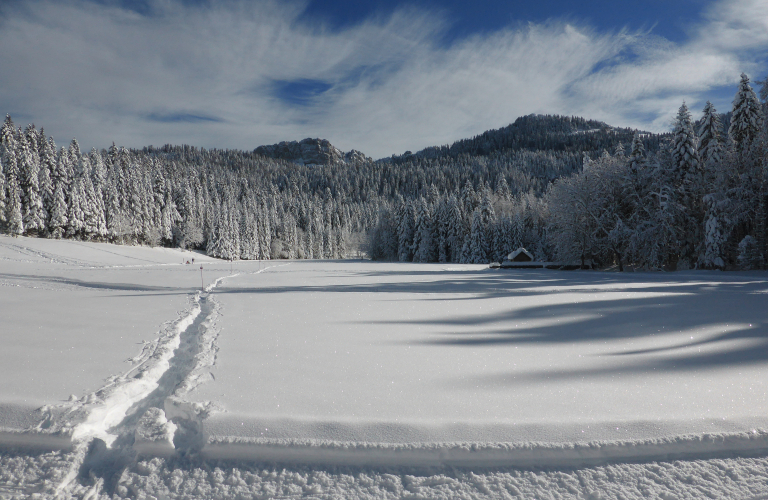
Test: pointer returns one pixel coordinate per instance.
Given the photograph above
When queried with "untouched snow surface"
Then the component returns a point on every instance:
(374, 380)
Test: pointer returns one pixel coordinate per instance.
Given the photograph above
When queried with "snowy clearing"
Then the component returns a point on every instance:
(397, 354)
(398, 376)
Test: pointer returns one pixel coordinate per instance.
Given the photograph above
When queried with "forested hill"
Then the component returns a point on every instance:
(562, 187)
(542, 133)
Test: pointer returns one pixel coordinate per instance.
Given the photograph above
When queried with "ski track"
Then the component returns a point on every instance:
(106, 424)
(142, 412)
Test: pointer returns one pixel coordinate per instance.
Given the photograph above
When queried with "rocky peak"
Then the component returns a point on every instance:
(310, 152)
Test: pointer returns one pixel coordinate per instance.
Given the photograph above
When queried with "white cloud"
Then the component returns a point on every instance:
(207, 75)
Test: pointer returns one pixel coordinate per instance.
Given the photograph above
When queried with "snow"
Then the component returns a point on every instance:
(79, 311)
(392, 353)
(383, 379)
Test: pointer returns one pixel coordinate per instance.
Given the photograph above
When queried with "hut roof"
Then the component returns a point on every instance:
(520, 255)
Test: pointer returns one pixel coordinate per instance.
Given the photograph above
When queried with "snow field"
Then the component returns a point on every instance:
(79, 311)
(348, 356)
(386, 380)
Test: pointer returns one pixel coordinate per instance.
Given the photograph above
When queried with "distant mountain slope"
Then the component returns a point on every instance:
(542, 133)
(552, 133)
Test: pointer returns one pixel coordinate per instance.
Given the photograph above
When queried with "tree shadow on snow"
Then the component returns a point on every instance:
(697, 325)
(600, 307)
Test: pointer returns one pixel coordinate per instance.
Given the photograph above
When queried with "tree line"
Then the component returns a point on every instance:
(566, 188)
(696, 200)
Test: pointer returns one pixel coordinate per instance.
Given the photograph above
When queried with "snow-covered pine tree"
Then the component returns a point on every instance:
(440, 229)
(58, 223)
(113, 214)
(265, 232)
(13, 217)
(45, 176)
(457, 233)
(98, 178)
(688, 177)
(746, 118)
(405, 231)
(478, 243)
(233, 228)
(2, 193)
(715, 238)
(169, 216)
(216, 246)
(89, 203)
(636, 155)
(498, 241)
(33, 213)
(468, 198)
(750, 256)
(685, 154)
(13, 208)
(77, 209)
(502, 189)
(710, 140)
(423, 233)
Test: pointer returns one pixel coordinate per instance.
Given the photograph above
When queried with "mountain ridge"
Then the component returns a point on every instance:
(534, 132)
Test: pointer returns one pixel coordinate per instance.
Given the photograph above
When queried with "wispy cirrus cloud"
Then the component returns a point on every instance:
(240, 74)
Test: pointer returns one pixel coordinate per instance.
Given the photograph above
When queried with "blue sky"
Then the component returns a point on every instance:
(667, 18)
(381, 76)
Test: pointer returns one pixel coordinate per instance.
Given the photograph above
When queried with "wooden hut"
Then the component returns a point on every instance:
(520, 255)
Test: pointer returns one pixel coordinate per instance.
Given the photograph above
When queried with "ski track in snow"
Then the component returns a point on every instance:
(143, 411)
(110, 421)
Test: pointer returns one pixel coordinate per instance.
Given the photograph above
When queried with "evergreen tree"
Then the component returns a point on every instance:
(76, 214)
(710, 140)
(2, 194)
(714, 235)
(685, 153)
(750, 256)
(478, 244)
(636, 155)
(33, 213)
(45, 179)
(688, 179)
(59, 210)
(746, 119)
(423, 233)
(502, 189)
(405, 231)
(13, 207)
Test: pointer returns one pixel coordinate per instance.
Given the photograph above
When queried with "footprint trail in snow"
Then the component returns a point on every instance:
(143, 412)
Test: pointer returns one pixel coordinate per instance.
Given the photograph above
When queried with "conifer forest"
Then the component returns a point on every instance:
(567, 189)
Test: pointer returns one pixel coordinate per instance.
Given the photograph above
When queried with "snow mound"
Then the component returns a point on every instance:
(154, 434)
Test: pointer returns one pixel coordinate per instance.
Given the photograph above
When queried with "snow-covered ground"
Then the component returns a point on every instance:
(402, 353)
(374, 380)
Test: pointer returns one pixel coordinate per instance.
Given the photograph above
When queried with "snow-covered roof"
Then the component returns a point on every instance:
(520, 255)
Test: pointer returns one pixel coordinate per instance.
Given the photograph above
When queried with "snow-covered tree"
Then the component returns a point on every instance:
(715, 237)
(710, 140)
(59, 210)
(636, 155)
(685, 152)
(746, 119)
(478, 243)
(750, 256)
